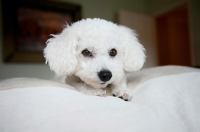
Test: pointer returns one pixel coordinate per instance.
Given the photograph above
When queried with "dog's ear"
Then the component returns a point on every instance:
(134, 52)
(60, 52)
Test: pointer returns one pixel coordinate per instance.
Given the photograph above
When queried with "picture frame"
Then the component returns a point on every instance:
(27, 25)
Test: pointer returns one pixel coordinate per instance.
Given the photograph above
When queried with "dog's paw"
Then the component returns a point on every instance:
(99, 92)
(124, 94)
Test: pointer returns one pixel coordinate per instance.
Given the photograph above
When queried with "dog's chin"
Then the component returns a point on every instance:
(98, 85)
(95, 83)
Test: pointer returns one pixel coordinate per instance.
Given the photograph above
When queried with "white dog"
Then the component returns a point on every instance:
(94, 54)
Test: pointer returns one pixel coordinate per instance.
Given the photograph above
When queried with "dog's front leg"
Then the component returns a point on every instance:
(83, 87)
(87, 89)
(120, 90)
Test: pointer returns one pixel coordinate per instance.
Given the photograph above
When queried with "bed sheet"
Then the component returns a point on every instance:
(168, 103)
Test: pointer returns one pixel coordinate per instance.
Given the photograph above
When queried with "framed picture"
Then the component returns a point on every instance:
(28, 24)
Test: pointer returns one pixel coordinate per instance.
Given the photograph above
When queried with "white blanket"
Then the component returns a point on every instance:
(168, 103)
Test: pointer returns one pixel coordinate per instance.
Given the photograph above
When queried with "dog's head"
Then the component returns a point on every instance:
(95, 50)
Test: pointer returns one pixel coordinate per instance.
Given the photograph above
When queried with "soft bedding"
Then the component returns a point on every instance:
(165, 99)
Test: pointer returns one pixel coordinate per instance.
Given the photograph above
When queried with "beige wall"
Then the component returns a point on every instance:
(144, 26)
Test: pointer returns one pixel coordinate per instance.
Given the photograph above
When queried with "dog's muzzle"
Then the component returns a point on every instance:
(105, 75)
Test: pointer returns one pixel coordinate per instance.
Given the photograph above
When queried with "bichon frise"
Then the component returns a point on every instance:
(94, 54)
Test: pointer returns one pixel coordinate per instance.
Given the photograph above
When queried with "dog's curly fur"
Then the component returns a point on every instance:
(94, 54)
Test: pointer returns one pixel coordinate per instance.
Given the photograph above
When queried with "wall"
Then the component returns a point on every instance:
(153, 6)
(145, 28)
(106, 9)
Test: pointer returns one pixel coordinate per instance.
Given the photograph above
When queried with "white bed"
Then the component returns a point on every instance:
(165, 99)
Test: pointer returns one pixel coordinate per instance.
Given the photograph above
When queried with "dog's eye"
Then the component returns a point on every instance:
(113, 52)
(87, 53)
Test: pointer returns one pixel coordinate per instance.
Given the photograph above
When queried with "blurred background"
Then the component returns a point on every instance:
(168, 29)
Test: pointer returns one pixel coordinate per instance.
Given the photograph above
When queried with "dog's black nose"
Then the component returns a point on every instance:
(105, 75)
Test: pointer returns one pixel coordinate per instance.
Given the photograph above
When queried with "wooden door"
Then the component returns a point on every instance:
(173, 37)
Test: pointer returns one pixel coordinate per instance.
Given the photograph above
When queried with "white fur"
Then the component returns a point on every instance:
(64, 55)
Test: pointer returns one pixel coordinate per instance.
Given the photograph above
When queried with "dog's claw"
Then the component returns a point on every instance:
(114, 95)
(120, 97)
(124, 94)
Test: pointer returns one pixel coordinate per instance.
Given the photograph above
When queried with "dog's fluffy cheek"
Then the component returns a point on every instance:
(90, 81)
(88, 76)
(118, 74)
